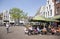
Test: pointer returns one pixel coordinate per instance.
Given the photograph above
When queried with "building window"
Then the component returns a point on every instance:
(48, 2)
(57, 10)
(49, 6)
(46, 14)
(57, 1)
(50, 12)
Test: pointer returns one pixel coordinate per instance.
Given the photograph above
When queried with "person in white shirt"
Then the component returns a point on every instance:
(38, 29)
(30, 28)
(7, 27)
(25, 30)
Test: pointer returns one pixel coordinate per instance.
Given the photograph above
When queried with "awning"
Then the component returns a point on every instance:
(51, 20)
(39, 18)
(56, 17)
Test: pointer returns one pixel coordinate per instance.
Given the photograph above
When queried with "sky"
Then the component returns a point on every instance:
(28, 6)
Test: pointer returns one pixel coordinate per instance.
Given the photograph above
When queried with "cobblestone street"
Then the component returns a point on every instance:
(18, 33)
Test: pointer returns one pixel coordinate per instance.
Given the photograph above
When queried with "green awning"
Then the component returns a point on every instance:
(51, 20)
(56, 17)
(39, 18)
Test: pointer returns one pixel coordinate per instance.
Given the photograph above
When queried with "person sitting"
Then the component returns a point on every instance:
(26, 30)
(53, 31)
(35, 31)
(58, 30)
(44, 31)
(39, 30)
(30, 29)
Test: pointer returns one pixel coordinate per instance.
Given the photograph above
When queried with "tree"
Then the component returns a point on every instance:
(16, 14)
(25, 15)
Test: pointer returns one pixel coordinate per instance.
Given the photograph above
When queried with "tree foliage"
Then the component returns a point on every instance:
(16, 13)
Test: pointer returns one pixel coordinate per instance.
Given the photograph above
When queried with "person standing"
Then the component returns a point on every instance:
(7, 27)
